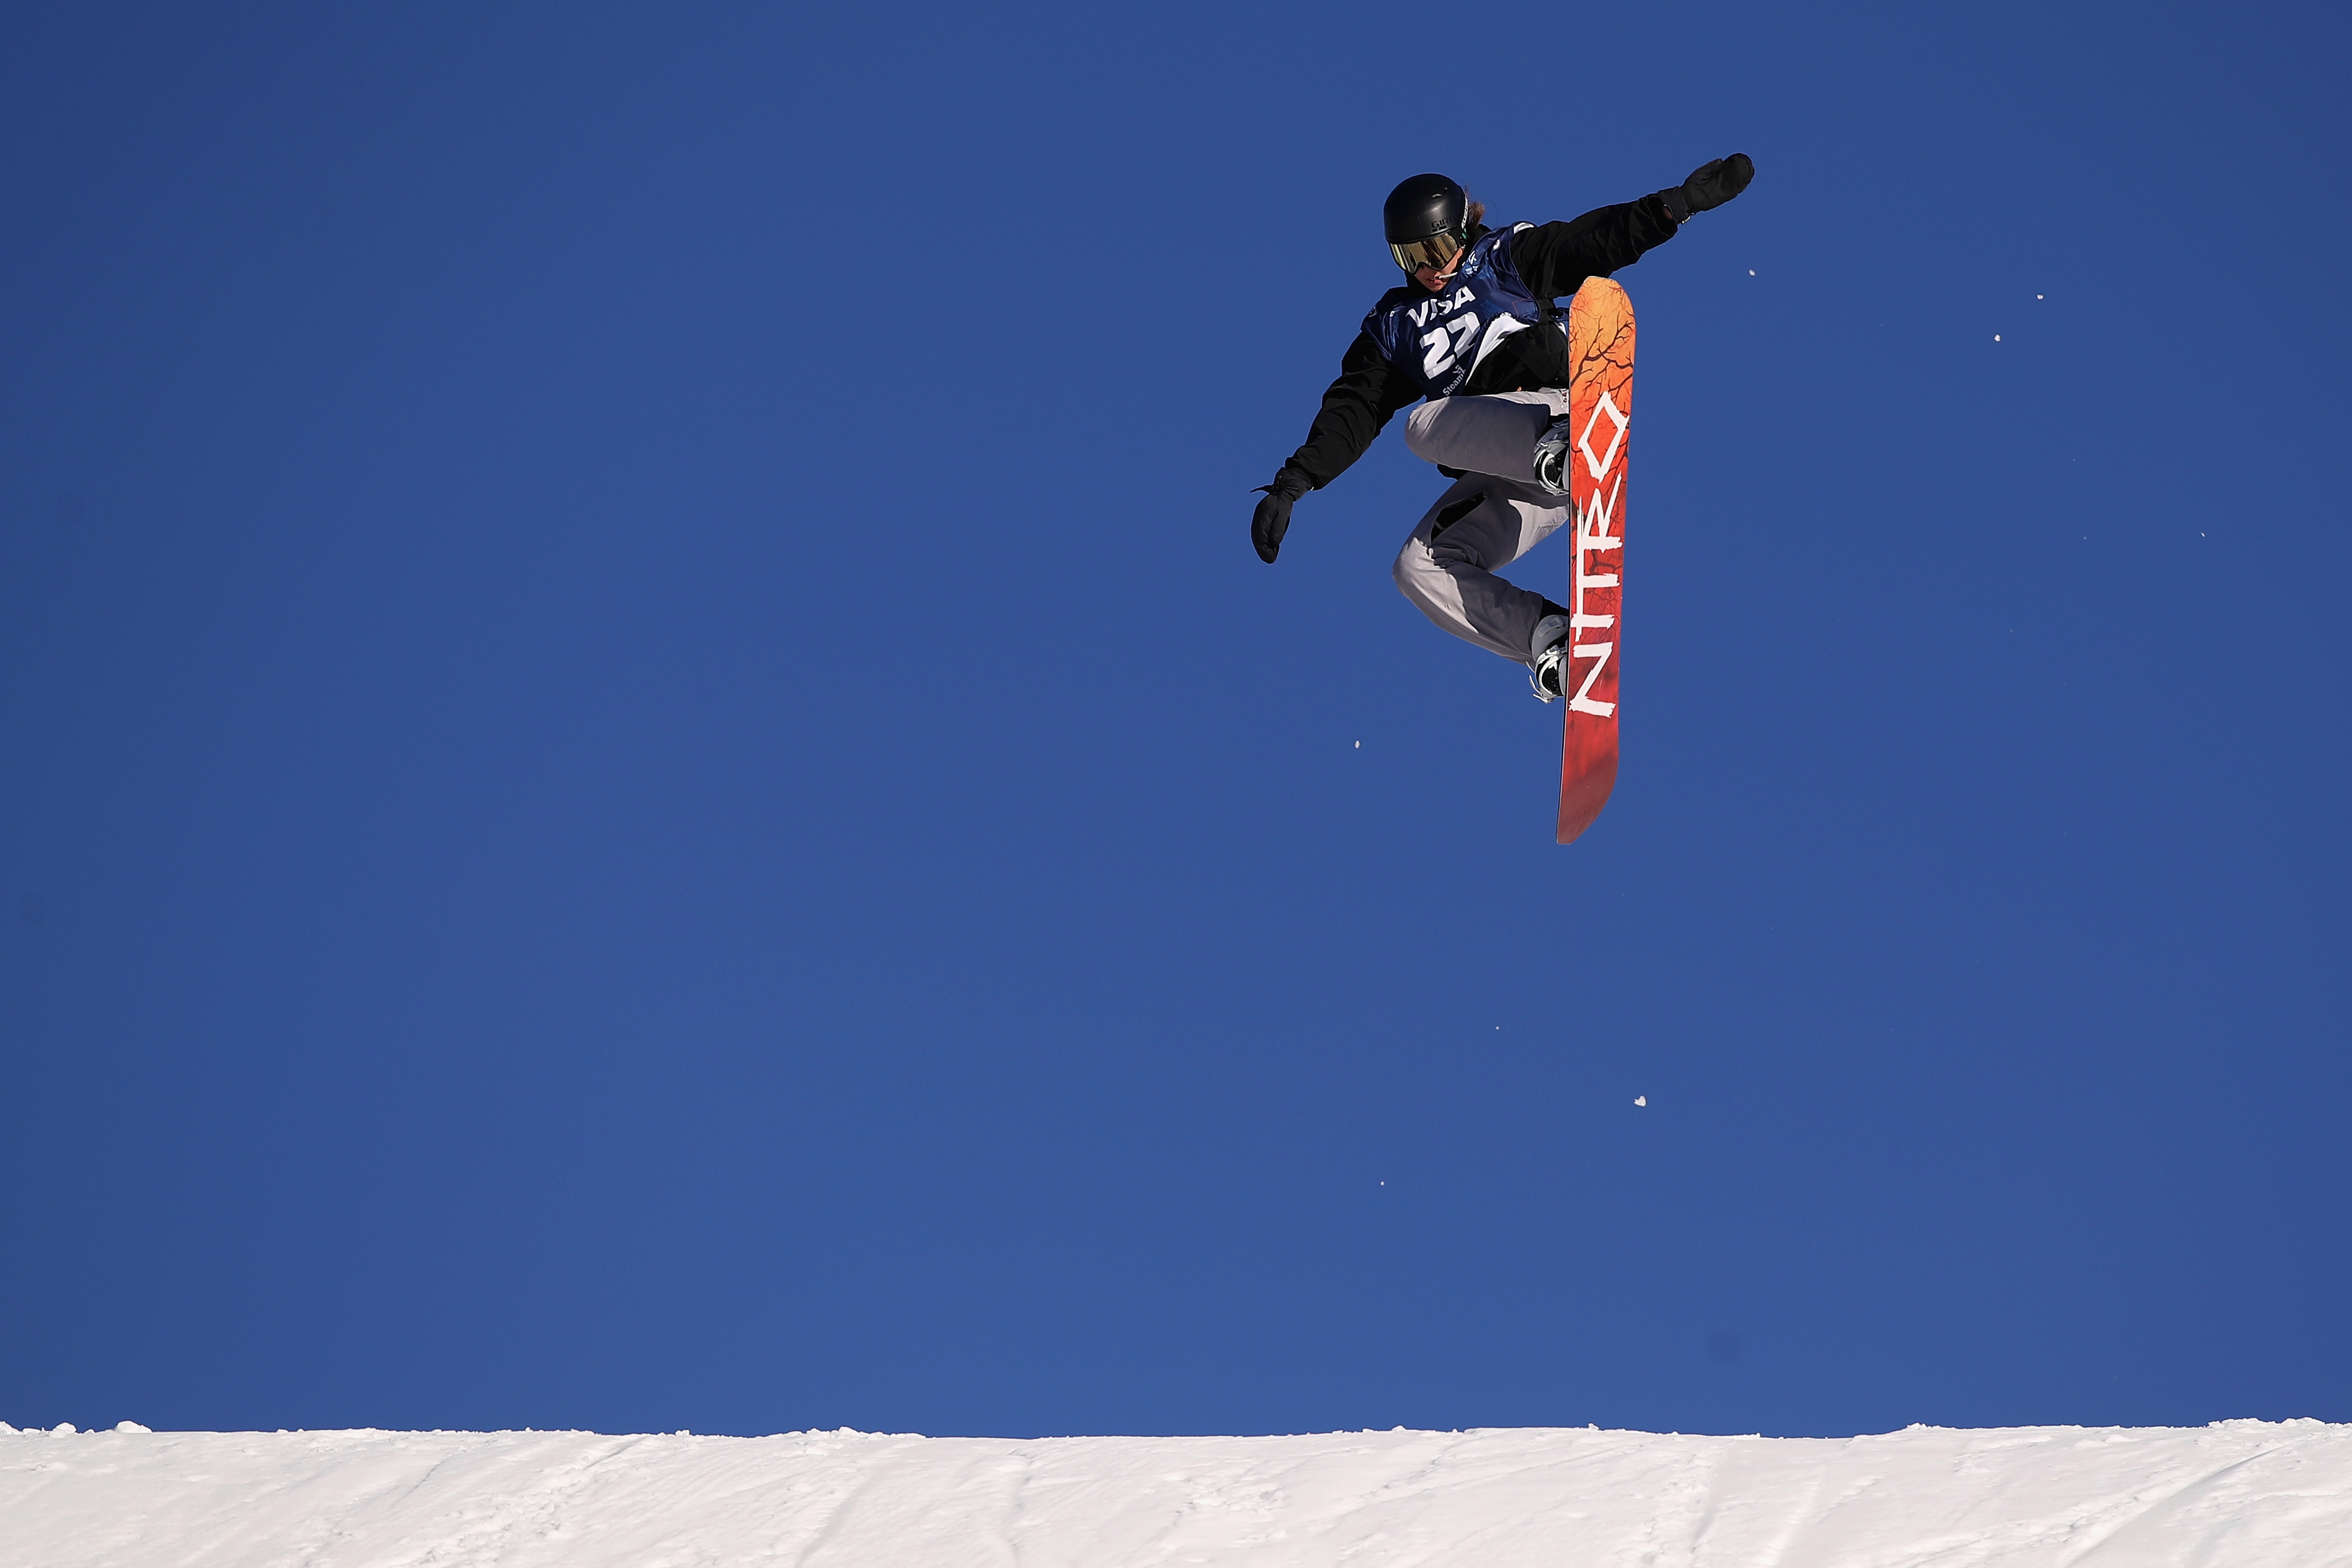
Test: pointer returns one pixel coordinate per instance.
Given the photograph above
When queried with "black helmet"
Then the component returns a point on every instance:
(1427, 220)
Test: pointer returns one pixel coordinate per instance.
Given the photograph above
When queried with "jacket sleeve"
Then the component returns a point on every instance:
(1555, 259)
(1355, 410)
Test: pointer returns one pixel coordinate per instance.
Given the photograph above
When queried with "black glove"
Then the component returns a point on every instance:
(1710, 185)
(1271, 519)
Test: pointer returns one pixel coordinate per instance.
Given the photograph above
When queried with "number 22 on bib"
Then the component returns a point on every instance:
(1601, 401)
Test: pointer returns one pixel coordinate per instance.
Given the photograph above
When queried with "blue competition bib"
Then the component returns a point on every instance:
(1437, 340)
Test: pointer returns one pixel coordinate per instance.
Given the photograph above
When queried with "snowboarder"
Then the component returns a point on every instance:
(1472, 337)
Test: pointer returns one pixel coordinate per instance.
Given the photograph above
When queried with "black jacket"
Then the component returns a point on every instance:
(1553, 259)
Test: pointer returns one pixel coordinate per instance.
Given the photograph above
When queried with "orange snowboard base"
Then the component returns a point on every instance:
(1600, 401)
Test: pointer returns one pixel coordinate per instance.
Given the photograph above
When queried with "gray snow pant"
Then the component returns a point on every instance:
(1487, 519)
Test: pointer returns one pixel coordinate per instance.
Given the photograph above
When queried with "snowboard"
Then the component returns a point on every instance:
(1601, 401)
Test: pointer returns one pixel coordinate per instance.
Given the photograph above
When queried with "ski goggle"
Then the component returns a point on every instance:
(1435, 251)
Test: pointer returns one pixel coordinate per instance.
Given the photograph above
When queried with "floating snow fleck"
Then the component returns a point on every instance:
(1996, 337)
(1751, 272)
(1360, 745)
(2037, 296)
(132, 1426)
(1641, 1100)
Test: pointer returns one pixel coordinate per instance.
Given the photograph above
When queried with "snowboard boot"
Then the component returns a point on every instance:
(1553, 449)
(1548, 657)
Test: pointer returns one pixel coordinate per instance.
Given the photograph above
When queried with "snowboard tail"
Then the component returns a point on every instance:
(1601, 401)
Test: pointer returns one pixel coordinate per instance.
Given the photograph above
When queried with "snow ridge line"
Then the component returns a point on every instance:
(2249, 1493)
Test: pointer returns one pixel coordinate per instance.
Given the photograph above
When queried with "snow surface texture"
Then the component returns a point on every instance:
(2241, 1493)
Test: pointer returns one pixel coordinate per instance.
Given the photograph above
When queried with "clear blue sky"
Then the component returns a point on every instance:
(646, 779)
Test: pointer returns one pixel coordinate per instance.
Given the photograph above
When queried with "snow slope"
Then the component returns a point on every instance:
(2241, 1493)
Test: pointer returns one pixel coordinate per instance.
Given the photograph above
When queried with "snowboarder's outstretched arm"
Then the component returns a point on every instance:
(1555, 259)
(1356, 407)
